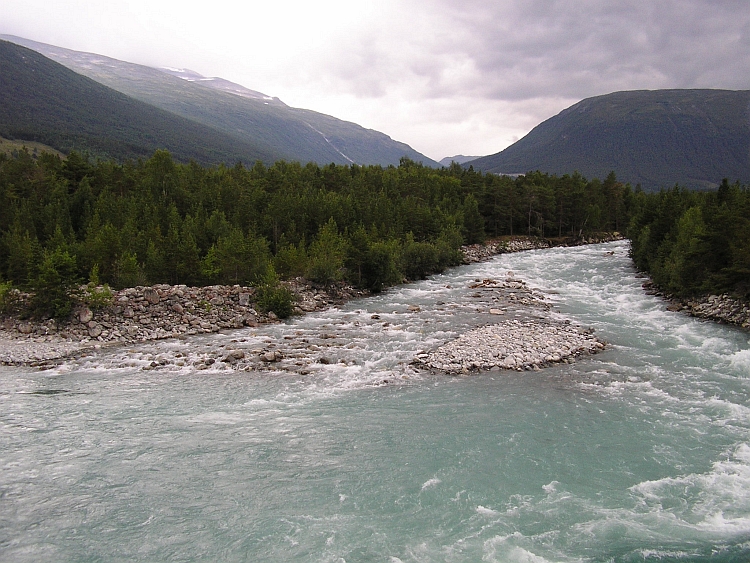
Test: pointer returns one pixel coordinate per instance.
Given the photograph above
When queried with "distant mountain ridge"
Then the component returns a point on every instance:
(45, 102)
(249, 116)
(655, 138)
(458, 159)
(220, 84)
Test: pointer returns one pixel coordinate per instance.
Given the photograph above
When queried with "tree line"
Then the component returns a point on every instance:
(694, 243)
(160, 221)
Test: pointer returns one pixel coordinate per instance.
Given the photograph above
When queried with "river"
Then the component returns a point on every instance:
(639, 453)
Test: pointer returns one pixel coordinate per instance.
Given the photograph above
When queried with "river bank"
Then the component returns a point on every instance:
(144, 314)
(718, 308)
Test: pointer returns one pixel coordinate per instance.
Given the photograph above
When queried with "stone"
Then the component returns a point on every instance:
(244, 299)
(25, 328)
(151, 295)
(237, 354)
(85, 315)
(272, 356)
(95, 331)
(177, 308)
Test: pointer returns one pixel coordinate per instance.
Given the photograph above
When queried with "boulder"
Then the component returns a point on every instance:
(85, 315)
(151, 295)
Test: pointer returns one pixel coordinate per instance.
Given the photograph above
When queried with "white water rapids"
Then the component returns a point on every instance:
(640, 453)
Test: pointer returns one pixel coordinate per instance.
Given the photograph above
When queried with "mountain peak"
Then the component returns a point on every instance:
(656, 138)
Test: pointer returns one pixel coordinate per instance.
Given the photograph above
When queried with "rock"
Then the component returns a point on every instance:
(151, 295)
(85, 315)
(237, 354)
(495, 312)
(244, 299)
(234, 356)
(25, 328)
(272, 356)
(95, 331)
(177, 308)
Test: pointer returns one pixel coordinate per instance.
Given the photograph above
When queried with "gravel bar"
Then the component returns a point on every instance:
(512, 345)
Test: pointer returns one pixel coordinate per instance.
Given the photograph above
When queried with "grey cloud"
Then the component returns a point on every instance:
(527, 49)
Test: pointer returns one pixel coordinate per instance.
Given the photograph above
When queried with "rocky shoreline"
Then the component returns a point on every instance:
(718, 308)
(143, 314)
(482, 252)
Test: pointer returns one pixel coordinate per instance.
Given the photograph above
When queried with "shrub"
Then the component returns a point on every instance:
(97, 296)
(55, 286)
(9, 298)
(271, 296)
(418, 259)
(128, 272)
(327, 252)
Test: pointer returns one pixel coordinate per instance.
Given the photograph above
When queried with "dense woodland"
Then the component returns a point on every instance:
(69, 221)
(694, 243)
(157, 221)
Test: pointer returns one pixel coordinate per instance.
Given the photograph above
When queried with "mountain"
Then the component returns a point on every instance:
(250, 116)
(654, 138)
(219, 84)
(458, 159)
(45, 102)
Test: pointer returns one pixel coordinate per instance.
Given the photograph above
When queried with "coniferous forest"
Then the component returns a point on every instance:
(69, 221)
(694, 243)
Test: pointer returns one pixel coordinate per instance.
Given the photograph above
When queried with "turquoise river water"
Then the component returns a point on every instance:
(640, 453)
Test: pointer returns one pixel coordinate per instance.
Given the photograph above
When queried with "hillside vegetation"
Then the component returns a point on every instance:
(275, 129)
(657, 139)
(158, 221)
(693, 243)
(44, 102)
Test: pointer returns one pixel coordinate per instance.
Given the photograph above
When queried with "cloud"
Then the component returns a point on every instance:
(446, 76)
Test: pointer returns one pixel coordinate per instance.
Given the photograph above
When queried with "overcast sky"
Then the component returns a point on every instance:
(445, 76)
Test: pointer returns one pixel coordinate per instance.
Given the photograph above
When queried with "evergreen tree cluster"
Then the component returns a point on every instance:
(158, 221)
(694, 243)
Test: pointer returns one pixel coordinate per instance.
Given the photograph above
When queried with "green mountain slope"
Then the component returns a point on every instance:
(653, 138)
(292, 133)
(42, 101)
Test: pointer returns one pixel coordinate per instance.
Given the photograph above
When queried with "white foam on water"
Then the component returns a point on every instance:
(431, 483)
(222, 418)
(714, 504)
(740, 361)
(484, 511)
(551, 487)
(505, 549)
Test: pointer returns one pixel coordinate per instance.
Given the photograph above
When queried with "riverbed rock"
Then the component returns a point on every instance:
(151, 295)
(511, 345)
(85, 315)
